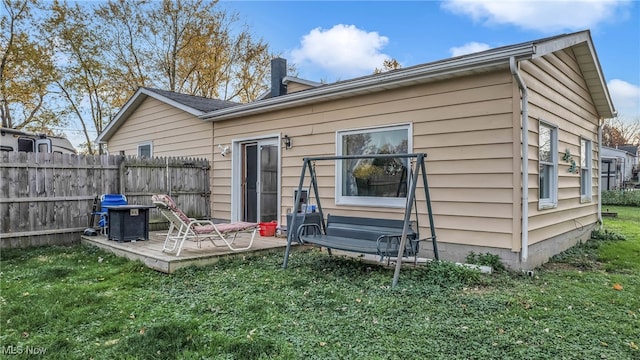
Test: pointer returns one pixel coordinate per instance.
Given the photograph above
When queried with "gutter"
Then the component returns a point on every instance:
(600, 123)
(524, 248)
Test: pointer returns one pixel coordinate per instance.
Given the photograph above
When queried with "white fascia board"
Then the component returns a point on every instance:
(561, 42)
(450, 67)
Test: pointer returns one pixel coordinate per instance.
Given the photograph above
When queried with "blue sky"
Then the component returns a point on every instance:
(339, 40)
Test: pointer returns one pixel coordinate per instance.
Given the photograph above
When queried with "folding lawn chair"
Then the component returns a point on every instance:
(182, 227)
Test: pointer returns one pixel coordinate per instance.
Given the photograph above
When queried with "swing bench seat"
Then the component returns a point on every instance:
(361, 235)
(366, 235)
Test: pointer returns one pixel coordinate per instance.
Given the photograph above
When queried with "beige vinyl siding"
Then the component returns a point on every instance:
(550, 230)
(221, 186)
(558, 95)
(464, 125)
(293, 86)
(173, 132)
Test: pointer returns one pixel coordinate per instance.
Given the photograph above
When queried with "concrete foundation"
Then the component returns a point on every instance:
(539, 253)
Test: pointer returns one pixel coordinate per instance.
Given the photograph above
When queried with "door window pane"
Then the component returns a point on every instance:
(268, 182)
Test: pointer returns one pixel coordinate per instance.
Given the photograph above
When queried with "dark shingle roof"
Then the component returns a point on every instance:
(196, 102)
(629, 148)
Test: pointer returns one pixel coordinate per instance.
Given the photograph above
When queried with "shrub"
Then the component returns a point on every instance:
(604, 234)
(486, 259)
(621, 197)
(449, 275)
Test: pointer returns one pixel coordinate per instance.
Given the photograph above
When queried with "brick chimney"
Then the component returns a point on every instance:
(278, 72)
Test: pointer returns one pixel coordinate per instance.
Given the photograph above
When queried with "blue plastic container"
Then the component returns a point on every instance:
(109, 200)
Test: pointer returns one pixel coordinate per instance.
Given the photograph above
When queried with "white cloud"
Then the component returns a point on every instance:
(344, 50)
(625, 97)
(469, 48)
(543, 16)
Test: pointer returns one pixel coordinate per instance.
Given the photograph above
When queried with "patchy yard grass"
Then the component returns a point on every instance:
(623, 256)
(81, 303)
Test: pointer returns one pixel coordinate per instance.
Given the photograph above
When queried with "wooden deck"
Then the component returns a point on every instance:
(150, 251)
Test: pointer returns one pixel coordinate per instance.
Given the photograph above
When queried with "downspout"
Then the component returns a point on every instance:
(600, 123)
(524, 248)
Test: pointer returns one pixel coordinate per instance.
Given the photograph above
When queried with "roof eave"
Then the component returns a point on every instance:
(130, 106)
(580, 42)
(592, 72)
(582, 45)
(429, 72)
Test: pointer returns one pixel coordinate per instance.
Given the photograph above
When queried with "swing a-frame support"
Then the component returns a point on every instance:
(365, 235)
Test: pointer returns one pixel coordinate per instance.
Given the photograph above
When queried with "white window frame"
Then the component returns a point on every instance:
(149, 144)
(552, 200)
(369, 201)
(586, 170)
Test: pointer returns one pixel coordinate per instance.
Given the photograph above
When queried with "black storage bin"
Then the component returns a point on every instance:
(128, 222)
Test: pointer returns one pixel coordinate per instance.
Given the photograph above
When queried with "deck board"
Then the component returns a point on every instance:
(150, 251)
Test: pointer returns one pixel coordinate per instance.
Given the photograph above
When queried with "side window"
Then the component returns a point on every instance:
(145, 150)
(379, 182)
(548, 165)
(585, 169)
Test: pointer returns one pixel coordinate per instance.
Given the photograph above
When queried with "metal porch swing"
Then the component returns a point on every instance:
(382, 237)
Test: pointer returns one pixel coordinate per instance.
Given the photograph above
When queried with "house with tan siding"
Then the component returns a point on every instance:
(512, 137)
(162, 123)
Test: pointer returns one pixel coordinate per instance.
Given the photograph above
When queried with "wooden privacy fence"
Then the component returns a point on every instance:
(48, 198)
(186, 180)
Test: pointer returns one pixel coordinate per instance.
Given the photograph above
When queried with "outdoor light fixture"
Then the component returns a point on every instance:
(286, 141)
(224, 150)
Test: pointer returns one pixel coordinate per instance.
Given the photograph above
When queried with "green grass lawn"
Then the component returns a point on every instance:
(624, 255)
(81, 303)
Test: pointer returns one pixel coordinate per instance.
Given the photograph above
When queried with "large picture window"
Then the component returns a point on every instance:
(585, 169)
(379, 182)
(548, 165)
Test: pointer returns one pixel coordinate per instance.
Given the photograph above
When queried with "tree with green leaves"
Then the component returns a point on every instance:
(26, 71)
(79, 62)
(83, 77)
(187, 46)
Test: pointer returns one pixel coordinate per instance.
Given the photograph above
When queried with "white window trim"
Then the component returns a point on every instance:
(368, 201)
(236, 172)
(589, 161)
(148, 143)
(551, 202)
